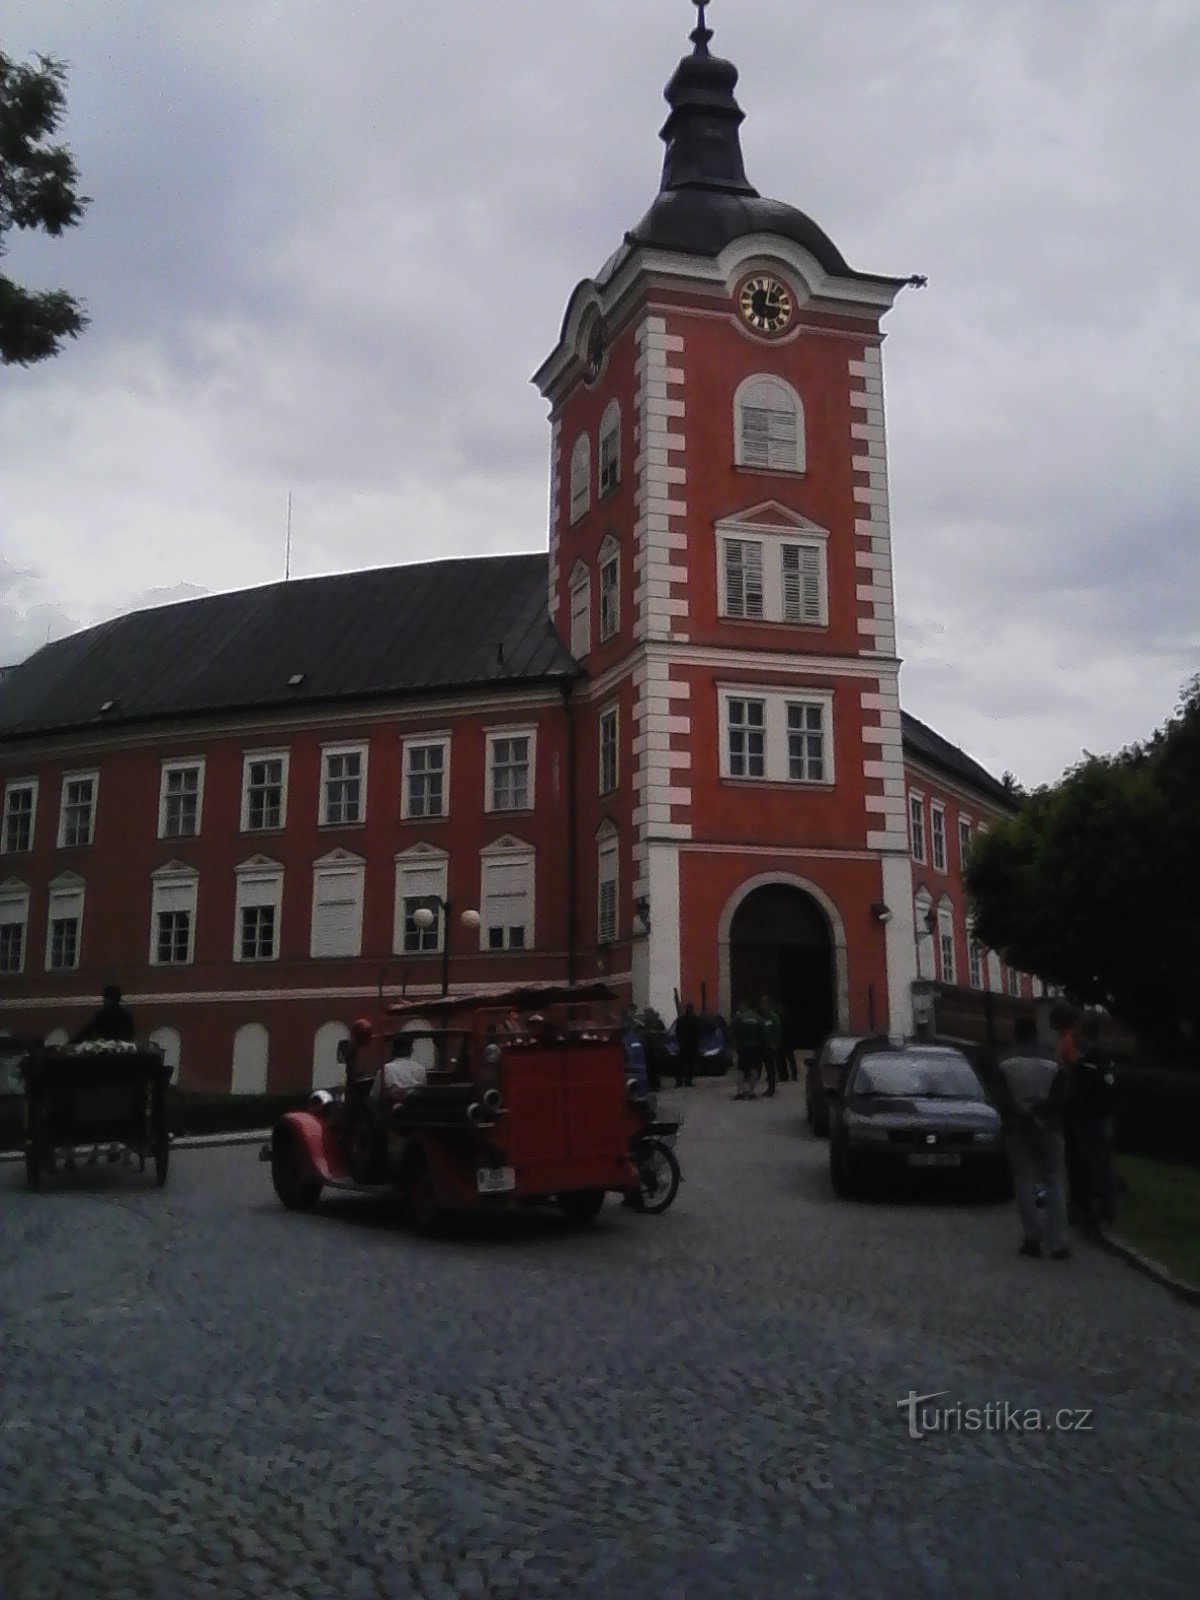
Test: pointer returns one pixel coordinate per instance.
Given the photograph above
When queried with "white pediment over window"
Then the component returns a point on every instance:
(66, 880)
(771, 517)
(175, 869)
(579, 574)
(259, 864)
(340, 858)
(608, 549)
(13, 886)
(420, 852)
(607, 830)
(505, 843)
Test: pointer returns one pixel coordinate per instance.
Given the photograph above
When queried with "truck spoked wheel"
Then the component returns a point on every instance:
(296, 1190)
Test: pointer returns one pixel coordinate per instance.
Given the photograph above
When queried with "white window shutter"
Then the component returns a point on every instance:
(756, 436)
(337, 914)
(801, 583)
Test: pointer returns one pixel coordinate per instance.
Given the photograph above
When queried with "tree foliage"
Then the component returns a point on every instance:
(38, 190)
(1094, 883)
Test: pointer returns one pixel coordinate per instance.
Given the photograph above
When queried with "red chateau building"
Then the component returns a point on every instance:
(672, 753)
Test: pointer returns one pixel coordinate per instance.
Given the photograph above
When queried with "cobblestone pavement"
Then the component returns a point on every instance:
(205, 1396)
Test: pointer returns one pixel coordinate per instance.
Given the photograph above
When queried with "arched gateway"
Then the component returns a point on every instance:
(780, 939)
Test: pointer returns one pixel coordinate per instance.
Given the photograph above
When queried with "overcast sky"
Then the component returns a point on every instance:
(329, 243)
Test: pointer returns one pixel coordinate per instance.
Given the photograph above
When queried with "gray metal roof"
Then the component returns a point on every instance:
(479, 622)
(923, 744)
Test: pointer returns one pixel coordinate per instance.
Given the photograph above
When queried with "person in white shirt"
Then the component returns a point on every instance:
(401, 1073)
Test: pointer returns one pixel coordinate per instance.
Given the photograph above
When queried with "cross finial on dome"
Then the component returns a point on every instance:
(702, 32)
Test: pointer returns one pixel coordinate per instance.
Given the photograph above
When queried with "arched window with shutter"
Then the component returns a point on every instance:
(768, 421)
(581, 477)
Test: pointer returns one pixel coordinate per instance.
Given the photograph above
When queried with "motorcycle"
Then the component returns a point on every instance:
(653, 1153)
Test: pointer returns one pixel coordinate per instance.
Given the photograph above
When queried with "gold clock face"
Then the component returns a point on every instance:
(766, 304)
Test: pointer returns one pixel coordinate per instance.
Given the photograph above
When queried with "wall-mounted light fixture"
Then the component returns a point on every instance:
(641, 913)
(881, 912)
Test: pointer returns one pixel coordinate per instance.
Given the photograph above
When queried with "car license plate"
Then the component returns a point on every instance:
(934, 1161)
(496, 1180)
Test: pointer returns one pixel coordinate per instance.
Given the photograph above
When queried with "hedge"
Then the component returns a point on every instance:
(187, 1114)
(1157, 1113)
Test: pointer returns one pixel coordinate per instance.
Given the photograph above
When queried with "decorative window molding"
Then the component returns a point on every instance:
(773, 574)
(181, 798)
(337, 906)
(14, 927)
(776, 735)
(343, 801)
(608, 755)
(425, 766)
(976, 963)
(580, 590)
(768, 425)
(422, 875)
(937, 835)
(610, 448)
(20, 816)
(607, 883)
(264, 790)
(511, 769)
(507, 881)
(609, 564)
(924, 921)
(64, 923)
(945, 921)
(581, 477)
(173, 892)
(77, 812)
(964, 843)
(258, 910)
(916, 826)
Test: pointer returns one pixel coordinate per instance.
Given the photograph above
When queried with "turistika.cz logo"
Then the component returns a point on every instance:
(997, 1416)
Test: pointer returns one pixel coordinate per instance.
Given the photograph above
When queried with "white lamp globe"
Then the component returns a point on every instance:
(470, 919)
(423, 918)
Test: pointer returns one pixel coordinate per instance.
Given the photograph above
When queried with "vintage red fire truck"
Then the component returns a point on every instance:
(483, 1101)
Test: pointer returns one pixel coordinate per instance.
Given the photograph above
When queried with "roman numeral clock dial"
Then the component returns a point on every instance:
(766, 304)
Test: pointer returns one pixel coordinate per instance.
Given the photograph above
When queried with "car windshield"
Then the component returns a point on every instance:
(929, 1077)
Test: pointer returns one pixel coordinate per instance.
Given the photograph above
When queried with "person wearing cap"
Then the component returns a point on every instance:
(112, 1021)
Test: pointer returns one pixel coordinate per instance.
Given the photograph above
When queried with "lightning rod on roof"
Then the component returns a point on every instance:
(287, 556)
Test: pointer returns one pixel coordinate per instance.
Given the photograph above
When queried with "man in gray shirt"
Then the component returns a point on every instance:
(1031, 1093)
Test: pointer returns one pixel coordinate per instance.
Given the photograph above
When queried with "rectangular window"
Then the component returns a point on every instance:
(801, 583)
(264, 791)
(64, 926)
(768, 437)
(964, 843)
(425, 774)
(510, 771)
(937, 834)
(608, 749)
(610, 598)
(78, 810)
(946, 953)
(173, 938)
(606, 892)
(337, 908)
(1014, 982)
(258, 933)
(743, 578)
(14, 920)
(581, 618)
(975, 963)
(610, 458)
(506, 894)
(916, 825)
(806, 743)
(420, 882)
(343, 781)
(747, 739)
(179, 800)
(20, 802)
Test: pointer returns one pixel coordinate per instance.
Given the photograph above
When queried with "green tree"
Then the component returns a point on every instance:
(38, 189)
(1094, 883)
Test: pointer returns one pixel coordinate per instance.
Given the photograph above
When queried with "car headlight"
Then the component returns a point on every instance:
(989, 1136)
(866, 1133)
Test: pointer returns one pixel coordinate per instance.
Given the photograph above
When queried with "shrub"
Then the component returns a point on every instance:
(1157, 1113)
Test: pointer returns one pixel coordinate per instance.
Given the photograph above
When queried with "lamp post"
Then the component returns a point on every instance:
(424, 917)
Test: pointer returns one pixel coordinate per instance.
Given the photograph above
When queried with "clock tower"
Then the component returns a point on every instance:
(720, 564)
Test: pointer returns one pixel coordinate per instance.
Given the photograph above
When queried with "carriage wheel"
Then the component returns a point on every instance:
(162, 1162)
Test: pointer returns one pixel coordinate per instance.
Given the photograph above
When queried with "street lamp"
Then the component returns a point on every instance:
(424, 917)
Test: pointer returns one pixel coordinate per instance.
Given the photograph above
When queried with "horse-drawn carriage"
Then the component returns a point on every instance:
(99, 1092)
(483, 1101)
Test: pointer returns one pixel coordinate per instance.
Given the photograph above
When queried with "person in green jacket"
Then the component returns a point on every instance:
(772, 1042)
(749, 1042)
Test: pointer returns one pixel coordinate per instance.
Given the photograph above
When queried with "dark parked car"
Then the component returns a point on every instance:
(821, 1076)
(716, 1054)
(912, 1109)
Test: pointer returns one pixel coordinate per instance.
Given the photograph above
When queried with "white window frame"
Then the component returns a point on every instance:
(180, 764)
(69, 891)
(771, 546)
(776, 743)
(357, 748)
(937, 835)
(492, 738)
(976, 961)
(421, 873)
(610, 432)
(608, 561)
(14, 913)
(350, 873)
(173, 888)
(422, 741)
(579, 590)
(964, 843)
(507, 853)
(259, 883)
(608, 878)
(916, 827)
(753, 394)
(926, 942)
(14, 787)
(610, 717)
(248, 758)
(93, 777)
(947, 965)
(580, 488)
(1012, 982)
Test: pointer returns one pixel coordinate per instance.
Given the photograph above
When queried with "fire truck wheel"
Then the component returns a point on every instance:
(295, 1188)
(581, 1206)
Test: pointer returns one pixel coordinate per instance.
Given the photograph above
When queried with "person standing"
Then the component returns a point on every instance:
(654, 1037)
(1091, 1091)
(1031, 1093)
(748, 1042)
(687, 1037)
(772, 1043)
(1064, 1019)
(112, 1021)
